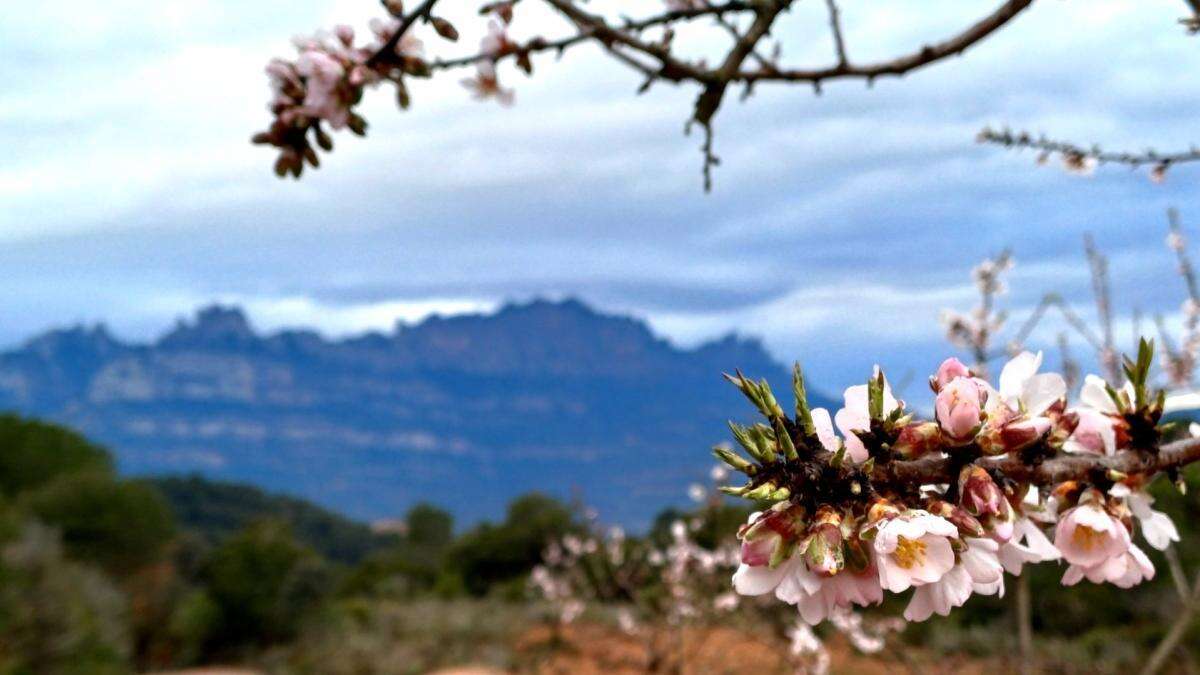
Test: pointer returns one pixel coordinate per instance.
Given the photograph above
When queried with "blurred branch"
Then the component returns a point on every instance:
(1080, 159)
(327, 82)
(1178, 629)
(927, 54)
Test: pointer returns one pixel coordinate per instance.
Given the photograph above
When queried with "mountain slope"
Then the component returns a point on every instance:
(465, 411)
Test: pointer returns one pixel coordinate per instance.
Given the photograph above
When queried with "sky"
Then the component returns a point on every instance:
(839, 227)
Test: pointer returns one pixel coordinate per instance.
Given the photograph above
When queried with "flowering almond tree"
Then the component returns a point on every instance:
(1005, 475)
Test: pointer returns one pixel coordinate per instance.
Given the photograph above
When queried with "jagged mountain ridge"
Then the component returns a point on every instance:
(465, 411)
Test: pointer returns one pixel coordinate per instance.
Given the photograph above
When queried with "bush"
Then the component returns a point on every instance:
(491, 555)
(263, 582)
(118, 525)
(34, 453)
(58, 617)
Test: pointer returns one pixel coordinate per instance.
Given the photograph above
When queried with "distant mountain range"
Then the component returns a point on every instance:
(465, 411)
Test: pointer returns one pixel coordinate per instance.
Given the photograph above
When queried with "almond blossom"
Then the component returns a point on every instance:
(1028, 544)
(978, 571)
(913, 549)
(1157, 528)
(1024, 390)
(1098, 546)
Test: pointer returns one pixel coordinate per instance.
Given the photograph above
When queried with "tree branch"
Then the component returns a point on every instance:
(835, 26)
(1077, 155)
(899, 66)
(936, 470)
(421, 12)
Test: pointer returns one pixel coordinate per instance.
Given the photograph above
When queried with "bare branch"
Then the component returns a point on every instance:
(926, 55)
(835, 26)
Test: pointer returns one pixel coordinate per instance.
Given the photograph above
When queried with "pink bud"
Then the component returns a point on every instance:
(1094, 433)
(959, 406)
(950, 369)
(769, 537)
(1017, 436)
(982, 498)
(979, 493)
(757, 552)
(345, 34)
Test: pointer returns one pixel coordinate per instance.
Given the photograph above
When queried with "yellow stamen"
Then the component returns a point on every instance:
(909, 552)
(1086, 538)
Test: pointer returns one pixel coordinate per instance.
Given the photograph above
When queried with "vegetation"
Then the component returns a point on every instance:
(104, 575)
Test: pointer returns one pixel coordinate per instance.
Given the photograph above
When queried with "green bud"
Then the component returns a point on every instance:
(784, 440)
(734, 460)
(803, 413)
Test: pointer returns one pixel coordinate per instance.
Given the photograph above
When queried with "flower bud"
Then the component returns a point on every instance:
(950, 370)
(823, 546)
(982, 498)
(344, 34)
(978, 492)
(915, 440)
(959, 409)
(770, 538)
(1016, 436)
(968, 525)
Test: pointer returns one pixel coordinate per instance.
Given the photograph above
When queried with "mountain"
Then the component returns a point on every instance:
(462, 411)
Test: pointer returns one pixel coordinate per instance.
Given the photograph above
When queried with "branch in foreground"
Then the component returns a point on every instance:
(1080, 160)
(948, 506)
(1083, 468)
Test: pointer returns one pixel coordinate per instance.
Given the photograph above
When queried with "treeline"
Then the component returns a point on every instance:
(100, 574)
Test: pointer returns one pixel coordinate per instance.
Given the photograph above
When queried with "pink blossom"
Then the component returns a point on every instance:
(1095, 434)
(817, 598)
(959, 407)
(1088, 535)
(1024, 390)
(1027, 545)
(978, 571)
(486, 85)
(1157, 527)
(323, 76)
(913, 549)
(1126, 570)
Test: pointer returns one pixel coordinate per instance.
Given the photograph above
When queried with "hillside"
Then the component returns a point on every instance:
(465, 411)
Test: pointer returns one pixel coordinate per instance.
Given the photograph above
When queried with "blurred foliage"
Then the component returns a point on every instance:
(217, 510)
(33, 453)
(499, 557)
(118, 525)
(262, 582)
(57, 617)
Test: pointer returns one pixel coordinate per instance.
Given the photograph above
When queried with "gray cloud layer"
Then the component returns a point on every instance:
(838, 229)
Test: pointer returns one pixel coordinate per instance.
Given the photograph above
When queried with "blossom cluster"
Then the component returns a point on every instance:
(946, 506)
(676, 581)
(332, 71)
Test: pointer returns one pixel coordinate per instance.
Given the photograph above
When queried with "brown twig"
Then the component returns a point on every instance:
(924, 56)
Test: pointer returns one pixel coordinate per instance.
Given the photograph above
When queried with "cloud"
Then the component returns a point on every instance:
(839, 227)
